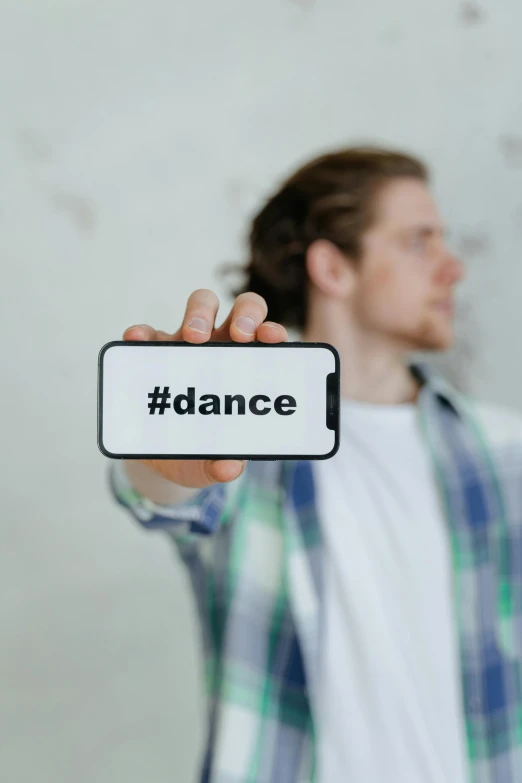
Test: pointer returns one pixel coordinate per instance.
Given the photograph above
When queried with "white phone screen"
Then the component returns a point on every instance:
(216, 400)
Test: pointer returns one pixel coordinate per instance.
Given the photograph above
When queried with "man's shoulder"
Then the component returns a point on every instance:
(501, 424)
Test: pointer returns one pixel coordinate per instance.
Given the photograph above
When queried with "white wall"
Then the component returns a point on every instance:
(135, 141)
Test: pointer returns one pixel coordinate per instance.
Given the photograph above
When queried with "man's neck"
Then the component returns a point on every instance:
(370, 371)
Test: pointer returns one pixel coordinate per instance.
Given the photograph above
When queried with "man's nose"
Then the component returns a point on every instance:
(451, 269)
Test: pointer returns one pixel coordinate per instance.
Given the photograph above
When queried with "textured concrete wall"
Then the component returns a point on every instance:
(136, 139)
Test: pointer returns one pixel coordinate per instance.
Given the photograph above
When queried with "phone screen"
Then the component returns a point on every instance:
(218, 400)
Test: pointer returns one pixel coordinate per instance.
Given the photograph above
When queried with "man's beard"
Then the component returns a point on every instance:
(427, 336)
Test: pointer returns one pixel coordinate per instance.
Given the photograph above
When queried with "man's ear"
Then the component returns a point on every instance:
(330, 270)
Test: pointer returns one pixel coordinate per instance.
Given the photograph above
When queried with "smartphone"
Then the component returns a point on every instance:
(176, 400)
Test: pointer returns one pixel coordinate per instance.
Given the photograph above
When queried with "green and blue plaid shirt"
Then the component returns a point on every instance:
(253, 550)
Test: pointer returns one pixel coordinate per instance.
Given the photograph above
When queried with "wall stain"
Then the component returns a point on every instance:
(511, 148)
(78, 208)
(517, 220)
(390, 35)
(473, 244)
(304, 5)
(471, 13)
(235, 191)
(33, 146)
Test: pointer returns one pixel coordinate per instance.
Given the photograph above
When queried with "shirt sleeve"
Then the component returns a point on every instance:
(200, 515)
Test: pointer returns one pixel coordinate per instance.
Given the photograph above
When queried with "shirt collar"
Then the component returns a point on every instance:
(437, 386)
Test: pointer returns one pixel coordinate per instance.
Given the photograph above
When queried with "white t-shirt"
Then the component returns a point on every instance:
(389, 701)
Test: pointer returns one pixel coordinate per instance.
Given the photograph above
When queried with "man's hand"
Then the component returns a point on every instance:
(245, 323)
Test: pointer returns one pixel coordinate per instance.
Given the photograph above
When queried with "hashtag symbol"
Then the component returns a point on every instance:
(159, 400)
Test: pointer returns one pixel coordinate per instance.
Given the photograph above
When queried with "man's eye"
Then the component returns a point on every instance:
(417, 243)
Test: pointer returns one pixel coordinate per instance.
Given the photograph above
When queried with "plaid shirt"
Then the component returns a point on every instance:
(253, 550)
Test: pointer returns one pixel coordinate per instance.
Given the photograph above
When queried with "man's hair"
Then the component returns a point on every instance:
(331, 197)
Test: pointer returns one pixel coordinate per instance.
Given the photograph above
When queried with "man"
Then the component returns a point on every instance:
(362, 615)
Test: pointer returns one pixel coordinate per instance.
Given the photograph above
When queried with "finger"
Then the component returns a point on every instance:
(199, 318)
(197, 473)
(270, 332)
(224, 470)
(247, 314)
(145, 333)
(139, 332)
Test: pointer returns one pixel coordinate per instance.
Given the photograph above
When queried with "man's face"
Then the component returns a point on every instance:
(406, 276)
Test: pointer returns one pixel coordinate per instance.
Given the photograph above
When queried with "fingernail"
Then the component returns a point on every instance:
(241, 464)
(198, 324)
(246, 324)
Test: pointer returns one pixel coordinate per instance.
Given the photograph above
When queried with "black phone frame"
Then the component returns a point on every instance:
(333, 395)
